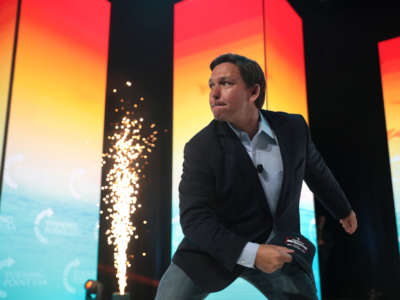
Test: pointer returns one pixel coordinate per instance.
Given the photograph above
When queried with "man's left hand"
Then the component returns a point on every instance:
(349, 223)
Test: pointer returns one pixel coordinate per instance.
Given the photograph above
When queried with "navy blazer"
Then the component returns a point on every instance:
(223, 205)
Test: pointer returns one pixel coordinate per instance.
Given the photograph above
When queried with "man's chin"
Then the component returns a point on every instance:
(217, 115)
(218, 118)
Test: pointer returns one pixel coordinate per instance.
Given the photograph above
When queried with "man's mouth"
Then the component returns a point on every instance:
(218, 104)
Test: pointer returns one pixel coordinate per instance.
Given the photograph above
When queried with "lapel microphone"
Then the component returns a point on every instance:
(260, 168)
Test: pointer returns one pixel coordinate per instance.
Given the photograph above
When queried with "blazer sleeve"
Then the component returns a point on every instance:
(322, 183)
(197, 204)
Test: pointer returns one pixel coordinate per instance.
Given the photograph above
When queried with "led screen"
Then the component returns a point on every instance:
(52, 170)
(389, 54)
(8, 19)
(269, 32)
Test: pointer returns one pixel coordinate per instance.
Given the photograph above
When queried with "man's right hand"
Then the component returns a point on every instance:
(270, 258)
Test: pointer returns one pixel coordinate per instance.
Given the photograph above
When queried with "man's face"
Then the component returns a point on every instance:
(230, 99)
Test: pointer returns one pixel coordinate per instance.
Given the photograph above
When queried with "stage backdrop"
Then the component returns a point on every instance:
(389, 54)
(51, 181)
(8, 19)
(268, 31)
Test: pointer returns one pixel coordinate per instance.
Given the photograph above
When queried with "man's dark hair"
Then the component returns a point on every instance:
(250, 71)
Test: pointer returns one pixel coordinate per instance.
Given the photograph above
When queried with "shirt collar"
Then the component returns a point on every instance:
(263, 126)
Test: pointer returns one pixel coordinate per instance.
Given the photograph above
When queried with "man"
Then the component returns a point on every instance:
(241, 184)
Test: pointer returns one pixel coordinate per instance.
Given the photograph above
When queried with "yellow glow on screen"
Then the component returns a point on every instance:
(284, 52)
(59, 88)
(8, 16)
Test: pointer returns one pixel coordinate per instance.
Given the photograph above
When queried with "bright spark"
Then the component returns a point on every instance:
(128, 155)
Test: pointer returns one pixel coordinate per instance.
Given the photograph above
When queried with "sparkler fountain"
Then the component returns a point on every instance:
(127, 155)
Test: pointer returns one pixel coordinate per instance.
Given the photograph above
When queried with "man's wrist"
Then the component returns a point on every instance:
(248, 256)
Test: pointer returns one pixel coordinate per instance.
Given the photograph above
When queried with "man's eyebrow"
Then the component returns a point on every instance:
(221, 78)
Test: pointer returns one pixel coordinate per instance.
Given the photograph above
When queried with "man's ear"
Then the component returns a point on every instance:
(254, 93)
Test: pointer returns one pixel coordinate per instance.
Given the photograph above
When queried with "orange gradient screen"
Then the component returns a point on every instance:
(52, 170)
(8, 18)
(389, 54)
(284, 52)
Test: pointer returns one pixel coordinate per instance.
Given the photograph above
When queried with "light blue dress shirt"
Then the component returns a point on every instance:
(263, 150)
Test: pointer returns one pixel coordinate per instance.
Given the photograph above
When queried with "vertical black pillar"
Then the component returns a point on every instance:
(141, 37)
(348, 127)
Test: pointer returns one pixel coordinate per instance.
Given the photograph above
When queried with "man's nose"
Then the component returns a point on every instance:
(215, 93)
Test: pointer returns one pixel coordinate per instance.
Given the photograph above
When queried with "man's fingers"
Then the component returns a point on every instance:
(350, 229)
(286, 257)
(349, 223)
(347, 226)
(272, 257)
(284, 249)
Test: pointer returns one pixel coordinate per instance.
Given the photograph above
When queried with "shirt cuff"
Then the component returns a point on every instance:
(248, 255)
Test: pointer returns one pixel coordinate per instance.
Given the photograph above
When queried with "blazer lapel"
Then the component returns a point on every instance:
(279, 127)
(232, 146)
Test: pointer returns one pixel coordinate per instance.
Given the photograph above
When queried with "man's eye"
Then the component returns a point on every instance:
(225, 83)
